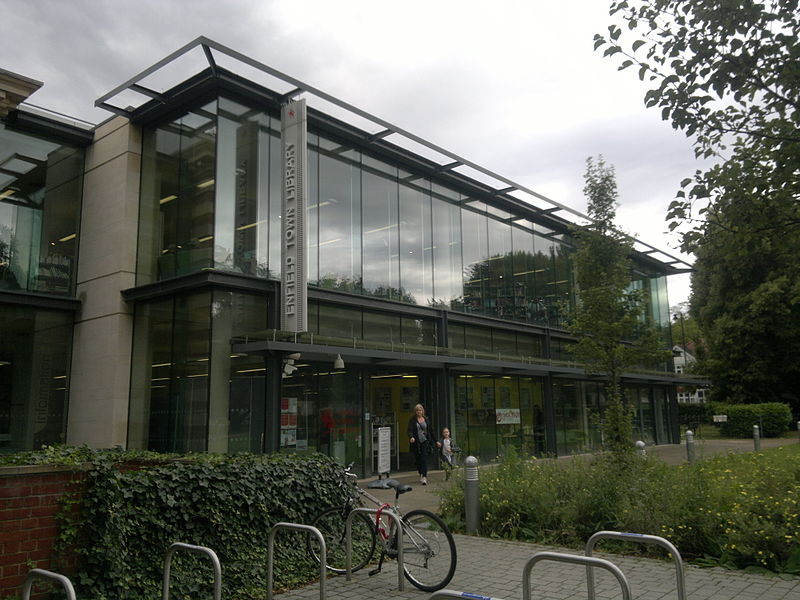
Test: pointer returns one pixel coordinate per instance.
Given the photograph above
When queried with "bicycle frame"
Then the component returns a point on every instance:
(417, 541)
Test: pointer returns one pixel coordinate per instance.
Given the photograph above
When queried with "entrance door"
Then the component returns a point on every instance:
(391, 397)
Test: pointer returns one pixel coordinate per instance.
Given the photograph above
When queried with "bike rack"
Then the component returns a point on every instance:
(455, 594)
(639, 538)
(576, 560)
(348, 529)
(323, 554)
(44, 574)
(199, 550)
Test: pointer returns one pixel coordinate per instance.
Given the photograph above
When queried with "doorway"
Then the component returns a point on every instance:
(391, 397)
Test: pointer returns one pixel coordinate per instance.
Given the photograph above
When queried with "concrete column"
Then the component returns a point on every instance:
(101, 355)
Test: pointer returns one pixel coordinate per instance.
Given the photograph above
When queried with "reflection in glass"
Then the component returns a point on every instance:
(34, 360)
(447, 287)
(476, 267)
(339, 218)
(416, 251)
(40, 198)
(381, 238)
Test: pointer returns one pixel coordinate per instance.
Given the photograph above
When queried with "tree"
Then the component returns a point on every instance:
(609, 317)
(727, 73)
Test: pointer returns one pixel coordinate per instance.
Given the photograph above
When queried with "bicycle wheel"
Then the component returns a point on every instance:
(429, 551)
(331, 524)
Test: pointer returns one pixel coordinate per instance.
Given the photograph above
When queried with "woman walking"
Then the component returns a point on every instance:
(422, 437)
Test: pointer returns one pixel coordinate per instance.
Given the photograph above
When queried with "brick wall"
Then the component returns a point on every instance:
(29, 503)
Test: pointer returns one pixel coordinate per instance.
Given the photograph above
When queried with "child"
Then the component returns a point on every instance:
(449, 450)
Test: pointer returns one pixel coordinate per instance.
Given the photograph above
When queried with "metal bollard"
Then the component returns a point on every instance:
(472, 506)
(689, 445)
(640, 448)
(756, 438)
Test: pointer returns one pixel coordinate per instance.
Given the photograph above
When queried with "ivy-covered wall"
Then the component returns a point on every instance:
(129, 508)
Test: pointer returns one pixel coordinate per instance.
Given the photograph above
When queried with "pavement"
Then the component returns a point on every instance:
(494, 568)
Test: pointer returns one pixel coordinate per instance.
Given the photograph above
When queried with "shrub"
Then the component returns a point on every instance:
(693, 414)
(772, 418)
(133, 507)
(738, 510)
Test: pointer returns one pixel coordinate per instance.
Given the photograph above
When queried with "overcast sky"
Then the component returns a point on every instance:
(514, 86)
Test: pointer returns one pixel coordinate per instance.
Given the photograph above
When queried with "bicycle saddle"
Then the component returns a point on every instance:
(385, 484)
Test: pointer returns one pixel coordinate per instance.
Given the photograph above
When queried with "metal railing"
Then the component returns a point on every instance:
(198, 550)
(588, 561)
(638, 538)
(44, 574)
(348, 535)
(323, 554)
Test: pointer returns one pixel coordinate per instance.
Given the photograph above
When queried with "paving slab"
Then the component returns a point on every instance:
(494, 568)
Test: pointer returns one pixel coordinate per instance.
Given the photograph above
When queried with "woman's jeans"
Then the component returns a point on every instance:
(421, 458)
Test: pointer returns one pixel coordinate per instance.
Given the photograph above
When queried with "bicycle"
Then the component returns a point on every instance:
(429, 551)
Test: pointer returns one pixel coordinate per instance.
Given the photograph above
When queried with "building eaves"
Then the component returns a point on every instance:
(376, 132)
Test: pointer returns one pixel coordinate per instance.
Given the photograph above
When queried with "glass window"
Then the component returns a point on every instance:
(416, 252)
(238, 383)
(531, 403)
(447, 276)
(339, 218)
(34, 364)
(419, 332)
(529, 345)
(455, 334)
(476, 263)
(381, 238)
(338, 321)
(40, 199)
(478, 340)
(382, 327)
(241, 229)
(170, 375)
(504, 343)
(499, 286)
(570, 417)
(544, 308)
(177, 199)
(523, 274)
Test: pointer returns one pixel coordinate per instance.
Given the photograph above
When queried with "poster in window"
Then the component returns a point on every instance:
(409, 398)
(487, 397)
(505, 397)
(382, 401)
(288, 422)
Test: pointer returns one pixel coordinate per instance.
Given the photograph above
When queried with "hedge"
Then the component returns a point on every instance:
(772, 418)
(694, 413)
(132, 508)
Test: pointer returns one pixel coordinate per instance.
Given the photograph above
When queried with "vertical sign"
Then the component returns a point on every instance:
(384, 450)
(294, 193)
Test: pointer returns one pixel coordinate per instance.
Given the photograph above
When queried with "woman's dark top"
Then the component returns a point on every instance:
(414, 430)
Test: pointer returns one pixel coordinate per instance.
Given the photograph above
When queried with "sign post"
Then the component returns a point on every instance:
(384, 450)
(294, 194)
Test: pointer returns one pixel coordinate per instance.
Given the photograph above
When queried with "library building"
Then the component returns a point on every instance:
(236, 261)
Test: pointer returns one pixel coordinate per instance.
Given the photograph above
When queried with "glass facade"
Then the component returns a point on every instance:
(492, 413)
(40, 199)
(35, 348)
(211, 201)
(189, 392)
